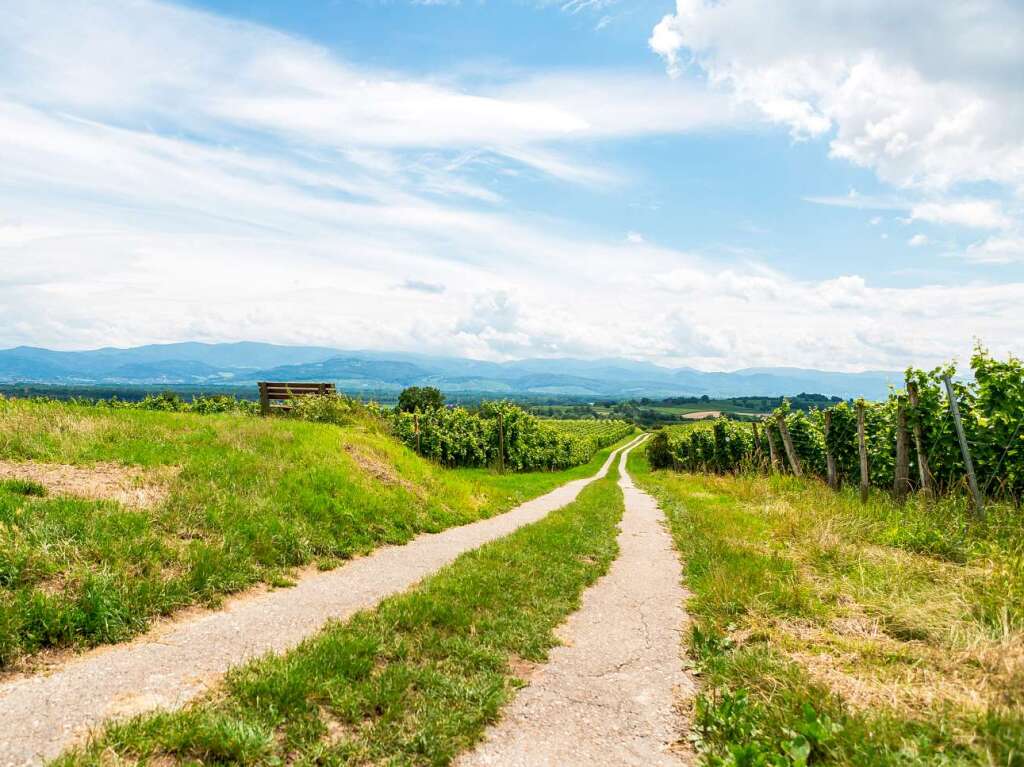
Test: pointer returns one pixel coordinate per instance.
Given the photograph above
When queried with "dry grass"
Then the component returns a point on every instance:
(131, 486)
(376, 466)
(900, 625)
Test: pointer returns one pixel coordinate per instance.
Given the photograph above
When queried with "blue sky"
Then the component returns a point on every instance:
(728, 184)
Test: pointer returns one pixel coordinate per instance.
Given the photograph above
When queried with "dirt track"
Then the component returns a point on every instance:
(42, 715)
(609, 695)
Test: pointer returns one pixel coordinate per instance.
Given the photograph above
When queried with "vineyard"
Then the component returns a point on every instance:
(503, 435)
(910, 441)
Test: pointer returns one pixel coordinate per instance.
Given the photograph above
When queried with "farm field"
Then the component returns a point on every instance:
(827, 632)
(166, 510)
(414, 681)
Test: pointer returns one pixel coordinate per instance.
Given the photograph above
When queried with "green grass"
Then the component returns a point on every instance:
(249, 499)
(827, 632)
(413, 682)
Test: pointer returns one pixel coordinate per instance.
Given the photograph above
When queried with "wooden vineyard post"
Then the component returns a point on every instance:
(772, 454)
(758, 453)
(501, 443)
(865, 480)
(830, 459)
(972, 480)
(787, 442)
(901, 473)
(416, 426)
(923, 469)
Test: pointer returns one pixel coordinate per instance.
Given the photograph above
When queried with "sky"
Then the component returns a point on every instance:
(726, 184)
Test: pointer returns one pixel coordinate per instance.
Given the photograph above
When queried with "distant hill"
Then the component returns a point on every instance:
(236, 364)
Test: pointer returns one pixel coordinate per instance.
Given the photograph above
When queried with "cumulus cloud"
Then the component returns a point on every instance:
(918, 240)
(926, 94)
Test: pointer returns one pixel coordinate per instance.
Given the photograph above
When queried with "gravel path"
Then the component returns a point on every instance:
(40, 716)
(608, 695)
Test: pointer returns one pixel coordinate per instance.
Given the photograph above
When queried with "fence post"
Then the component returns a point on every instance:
(865, 480)
(758, 452)
(901, 473)
(972, 480)
(501, 442)
(787, 442)
(416, 425)
(923, 469)
(774, 456)
(830, 459)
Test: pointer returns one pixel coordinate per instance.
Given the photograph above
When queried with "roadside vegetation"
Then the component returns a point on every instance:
(920, 418)
(830, 632)
(413, 682)
(496, 434)
(154, 511)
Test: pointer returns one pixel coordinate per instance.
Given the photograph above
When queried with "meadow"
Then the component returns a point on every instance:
(205, 505)
(827, 631)
(414, 681)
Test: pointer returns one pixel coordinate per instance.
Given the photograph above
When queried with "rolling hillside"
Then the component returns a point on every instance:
(355, 371)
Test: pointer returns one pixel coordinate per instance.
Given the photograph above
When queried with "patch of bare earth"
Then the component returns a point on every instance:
(98, 482)
(378, 468)
(702, 414)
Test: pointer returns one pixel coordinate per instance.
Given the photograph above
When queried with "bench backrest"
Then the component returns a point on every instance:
(278, 395)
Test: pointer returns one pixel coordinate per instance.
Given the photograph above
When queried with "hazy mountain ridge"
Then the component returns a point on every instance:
(247, 362)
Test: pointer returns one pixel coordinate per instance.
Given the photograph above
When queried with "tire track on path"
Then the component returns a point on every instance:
(610, 694)
(42, 715)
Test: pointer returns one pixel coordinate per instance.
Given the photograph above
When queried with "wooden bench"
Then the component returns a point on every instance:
(277, 395)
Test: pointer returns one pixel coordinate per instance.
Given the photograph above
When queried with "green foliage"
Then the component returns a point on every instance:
(172, 402)
(336, 409)
(659, 450)
(719, 446)
(420, 398)
(991, 405)
(459, 437)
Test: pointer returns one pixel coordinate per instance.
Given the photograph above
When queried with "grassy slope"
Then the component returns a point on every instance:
(835, 633)
(415, 681)
(253, 498)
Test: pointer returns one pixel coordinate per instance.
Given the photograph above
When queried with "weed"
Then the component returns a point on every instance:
(415, 681)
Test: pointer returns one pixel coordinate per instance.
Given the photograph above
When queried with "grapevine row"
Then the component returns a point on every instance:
(503, 434)
(991, 406)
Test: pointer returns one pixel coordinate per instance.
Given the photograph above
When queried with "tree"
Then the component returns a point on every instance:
(420, 398)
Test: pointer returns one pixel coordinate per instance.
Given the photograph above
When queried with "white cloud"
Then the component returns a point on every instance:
(968, 213)
(917, 241)
(635, 237)
(1003, 249)
(153, 65)
(977, 214)
(924, 93)
(138, 207)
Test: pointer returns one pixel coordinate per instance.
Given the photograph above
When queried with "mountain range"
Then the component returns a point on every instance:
(244, 363)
